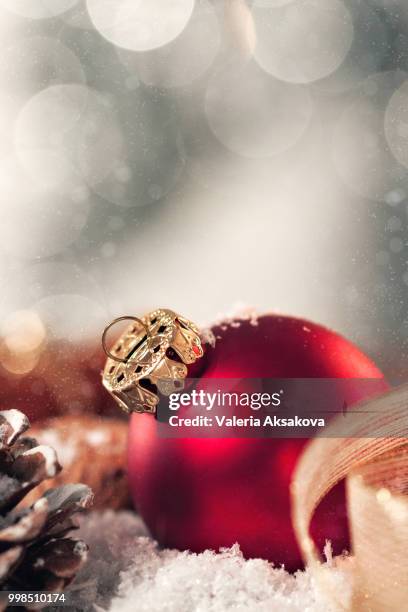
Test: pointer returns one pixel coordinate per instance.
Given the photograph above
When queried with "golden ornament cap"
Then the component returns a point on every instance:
(150, 358)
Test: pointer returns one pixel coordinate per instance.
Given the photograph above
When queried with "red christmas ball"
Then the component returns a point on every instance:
(206, 493)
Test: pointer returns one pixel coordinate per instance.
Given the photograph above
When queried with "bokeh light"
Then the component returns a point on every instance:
(23, 336)
(22, 331)
(272, 3)
(153, 159)
(43, 131)
(35, 280)
(67, 134)
(38, 9)
(37, 62)
(41, 221)
(359, 147)
(396, 124)
(140, 25)
(183, 60)
(302, 41)
(255, 115)
(137, 133)
(85, 314)
(79, 18)
(18, 363)
(26, 67)
(367, 54)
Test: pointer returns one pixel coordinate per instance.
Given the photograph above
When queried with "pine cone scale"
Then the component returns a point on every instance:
(35, 552)
(25, 525)
(62, 557)
(22, 468)
(35, 465)
(12, 424)
(11, 492)
(8, 560)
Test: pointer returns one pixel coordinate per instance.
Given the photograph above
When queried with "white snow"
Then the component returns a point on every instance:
(239, 312)
(17, 421)
(207, 336)
(127, 571)
(50, 457)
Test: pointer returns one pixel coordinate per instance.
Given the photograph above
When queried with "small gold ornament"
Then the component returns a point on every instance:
(150, 357)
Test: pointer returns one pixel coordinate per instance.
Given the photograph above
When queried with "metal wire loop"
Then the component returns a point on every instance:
(111, 324)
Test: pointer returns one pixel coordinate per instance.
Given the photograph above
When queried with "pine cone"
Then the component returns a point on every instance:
(35, 553)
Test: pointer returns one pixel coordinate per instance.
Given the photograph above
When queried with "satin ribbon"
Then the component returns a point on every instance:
(372, 455)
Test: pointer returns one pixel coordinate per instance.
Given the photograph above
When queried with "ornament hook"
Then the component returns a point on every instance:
(111, 324)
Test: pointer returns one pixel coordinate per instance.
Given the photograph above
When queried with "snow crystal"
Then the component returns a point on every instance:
(239, 312)
(207, 336)
(49, 456)
(127, 570)
(110, 537)
(17, 421)
(80, 549)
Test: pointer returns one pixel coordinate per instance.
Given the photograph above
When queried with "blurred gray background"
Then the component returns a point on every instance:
(202, 155)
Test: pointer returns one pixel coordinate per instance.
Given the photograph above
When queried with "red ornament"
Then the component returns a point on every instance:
(205, 493)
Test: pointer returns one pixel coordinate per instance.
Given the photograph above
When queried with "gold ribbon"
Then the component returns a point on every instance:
(372, 455)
